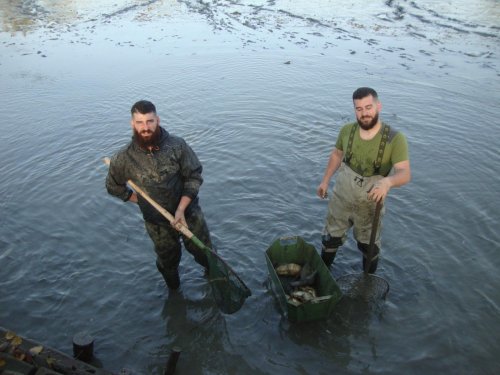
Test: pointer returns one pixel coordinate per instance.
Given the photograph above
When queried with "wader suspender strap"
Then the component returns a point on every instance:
(381, 148)
(348, 151)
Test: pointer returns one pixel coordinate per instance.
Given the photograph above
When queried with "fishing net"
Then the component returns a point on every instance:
(228, 290)
(366, 287)
(363, 287)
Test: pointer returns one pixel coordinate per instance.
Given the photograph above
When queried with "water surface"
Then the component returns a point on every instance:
(260, 90)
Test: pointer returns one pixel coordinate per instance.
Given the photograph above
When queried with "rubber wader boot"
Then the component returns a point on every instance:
(329, 247)
(328, 257)
(171, 277)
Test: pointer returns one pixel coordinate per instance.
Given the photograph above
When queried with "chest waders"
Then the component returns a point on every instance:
(167, 245)
(349, 206)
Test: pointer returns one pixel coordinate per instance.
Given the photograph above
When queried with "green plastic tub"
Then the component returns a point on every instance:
(287, 250)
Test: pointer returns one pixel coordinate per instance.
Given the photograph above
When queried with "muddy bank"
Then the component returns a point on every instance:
(408, 33)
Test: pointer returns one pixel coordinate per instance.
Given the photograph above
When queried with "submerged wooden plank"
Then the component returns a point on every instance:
(36, 355)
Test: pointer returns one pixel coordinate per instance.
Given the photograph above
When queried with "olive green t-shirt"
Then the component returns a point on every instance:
(364, 153)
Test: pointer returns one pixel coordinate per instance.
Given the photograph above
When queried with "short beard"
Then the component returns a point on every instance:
(370, 125)
(151, 139)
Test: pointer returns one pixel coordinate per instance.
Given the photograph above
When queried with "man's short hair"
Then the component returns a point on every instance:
(363, 92)
(143, 107)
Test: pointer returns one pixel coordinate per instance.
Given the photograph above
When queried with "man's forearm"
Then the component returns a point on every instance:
(184, 203)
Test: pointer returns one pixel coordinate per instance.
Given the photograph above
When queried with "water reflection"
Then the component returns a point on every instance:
(337, 338)
(329, 338)
(200, 331)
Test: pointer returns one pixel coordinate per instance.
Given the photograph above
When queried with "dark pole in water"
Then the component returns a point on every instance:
(83, 347)
(172, 360)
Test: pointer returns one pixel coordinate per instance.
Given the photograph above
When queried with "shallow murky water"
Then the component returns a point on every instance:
(259, 89)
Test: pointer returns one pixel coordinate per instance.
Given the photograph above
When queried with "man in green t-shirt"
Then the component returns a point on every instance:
(370, 158)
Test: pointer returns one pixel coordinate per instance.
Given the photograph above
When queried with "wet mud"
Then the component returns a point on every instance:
(413, 32)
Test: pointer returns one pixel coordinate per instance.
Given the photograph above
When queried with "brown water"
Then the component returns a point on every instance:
(259, 89)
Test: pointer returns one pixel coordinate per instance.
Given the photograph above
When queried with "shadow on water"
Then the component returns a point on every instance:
(201, 333)
(337, 337)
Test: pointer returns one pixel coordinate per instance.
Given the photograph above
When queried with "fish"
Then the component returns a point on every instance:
(307, 276)
(289, 269)
(302, 295)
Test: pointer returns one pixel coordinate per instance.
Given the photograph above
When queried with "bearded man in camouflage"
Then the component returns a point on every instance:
(370, 158)
(169, 171)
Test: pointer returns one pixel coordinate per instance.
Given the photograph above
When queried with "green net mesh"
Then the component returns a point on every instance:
(228, 290)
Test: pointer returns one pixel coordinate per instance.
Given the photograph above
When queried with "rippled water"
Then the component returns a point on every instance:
(260, 90)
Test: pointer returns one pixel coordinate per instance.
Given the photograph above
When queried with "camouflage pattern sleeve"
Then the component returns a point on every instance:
(116, 182)
(191, 170)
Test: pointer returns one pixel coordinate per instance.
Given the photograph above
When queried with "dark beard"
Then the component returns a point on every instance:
(147, 140)
(370, 125)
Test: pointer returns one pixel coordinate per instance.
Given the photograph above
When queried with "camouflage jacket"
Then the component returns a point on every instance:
(166, 174)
